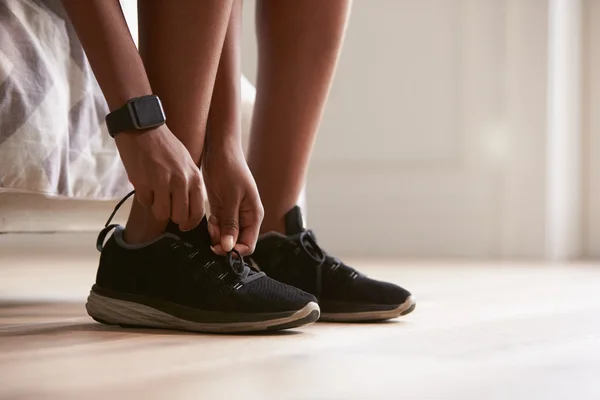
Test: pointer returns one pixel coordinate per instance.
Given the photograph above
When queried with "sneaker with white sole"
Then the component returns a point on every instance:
(170, 283)
(344, 294)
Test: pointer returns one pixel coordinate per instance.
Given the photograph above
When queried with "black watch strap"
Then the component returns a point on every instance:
(119, 121)
(137, 114)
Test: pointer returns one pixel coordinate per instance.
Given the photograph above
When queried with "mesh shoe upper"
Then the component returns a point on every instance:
(173, 270)
(297, 259)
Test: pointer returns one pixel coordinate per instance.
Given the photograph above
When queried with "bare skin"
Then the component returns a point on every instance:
(157, 163)
(232, 194)
(299, 43)
(180, 47)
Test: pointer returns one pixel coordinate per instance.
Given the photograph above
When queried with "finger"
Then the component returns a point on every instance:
(217, 249)
(214, 230)
(229, 226)
(250, 228)
(243, 249)
(196, 210)
(161, 207)
(180, 206)
(144, 197)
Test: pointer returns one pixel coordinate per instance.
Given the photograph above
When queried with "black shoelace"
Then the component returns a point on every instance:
(235, 265)
(325, 264)
(234, 262)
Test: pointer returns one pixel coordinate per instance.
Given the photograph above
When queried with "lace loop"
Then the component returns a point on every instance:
(237, 264)
(119, 204)
(308, 243)
(310, 246)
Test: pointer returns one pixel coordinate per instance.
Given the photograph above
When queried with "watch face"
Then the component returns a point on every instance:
(147, 112)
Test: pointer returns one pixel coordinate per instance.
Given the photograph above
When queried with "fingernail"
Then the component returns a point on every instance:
(227, 242)
(212, 219)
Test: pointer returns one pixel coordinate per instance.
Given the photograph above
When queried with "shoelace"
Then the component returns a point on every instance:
(234, 264)
(325, 262)
(234, 261)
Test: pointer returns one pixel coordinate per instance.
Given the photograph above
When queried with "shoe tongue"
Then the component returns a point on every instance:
(293, 221)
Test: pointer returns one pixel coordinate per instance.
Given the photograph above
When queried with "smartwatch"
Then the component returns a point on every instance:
(138, 113)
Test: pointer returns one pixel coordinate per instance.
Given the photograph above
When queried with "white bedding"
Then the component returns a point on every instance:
(53, 139)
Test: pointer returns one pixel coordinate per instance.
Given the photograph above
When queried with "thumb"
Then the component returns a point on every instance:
(230, 227)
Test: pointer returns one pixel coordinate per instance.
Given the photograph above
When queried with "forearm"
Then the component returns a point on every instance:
(103, 32)
(224, 119)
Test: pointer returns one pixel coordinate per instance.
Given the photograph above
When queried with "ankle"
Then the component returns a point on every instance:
(135, 234)
(273, 225)
(142, 226)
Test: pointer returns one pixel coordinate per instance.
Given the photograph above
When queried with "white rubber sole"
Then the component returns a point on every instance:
(403, 309)
(113, 311)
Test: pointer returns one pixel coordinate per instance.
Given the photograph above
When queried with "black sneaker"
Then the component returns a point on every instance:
(344, 294)
(170, 283)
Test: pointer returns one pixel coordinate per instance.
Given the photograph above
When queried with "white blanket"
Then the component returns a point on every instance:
(53, 138)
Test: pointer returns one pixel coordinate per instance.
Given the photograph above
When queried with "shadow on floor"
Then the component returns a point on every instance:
(29, 318)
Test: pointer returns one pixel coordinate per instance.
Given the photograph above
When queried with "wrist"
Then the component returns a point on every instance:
(138, 113)
(223, 139)
(138, 138)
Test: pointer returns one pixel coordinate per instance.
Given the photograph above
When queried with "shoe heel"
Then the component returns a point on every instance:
(99, 308)
(109, 311)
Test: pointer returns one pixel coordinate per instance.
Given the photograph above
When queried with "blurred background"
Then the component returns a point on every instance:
(460, 128)
(455, 128)
(459, 156)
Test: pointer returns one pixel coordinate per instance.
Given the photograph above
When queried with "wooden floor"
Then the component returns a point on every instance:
(481, 331)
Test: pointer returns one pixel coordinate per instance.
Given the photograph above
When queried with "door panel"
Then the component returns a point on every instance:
(433, 142)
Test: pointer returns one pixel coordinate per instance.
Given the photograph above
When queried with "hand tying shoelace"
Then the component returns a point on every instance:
(233, 261)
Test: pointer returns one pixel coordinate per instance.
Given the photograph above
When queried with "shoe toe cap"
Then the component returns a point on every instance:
(371, 291)
(273, 296)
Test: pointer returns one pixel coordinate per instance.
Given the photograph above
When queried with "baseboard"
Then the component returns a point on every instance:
(36, 213)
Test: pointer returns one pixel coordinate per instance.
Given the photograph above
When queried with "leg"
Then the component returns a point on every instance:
(180, 46)
(299, 43)
(148, 284)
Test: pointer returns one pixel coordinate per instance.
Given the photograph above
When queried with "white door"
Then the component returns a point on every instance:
(433, 143)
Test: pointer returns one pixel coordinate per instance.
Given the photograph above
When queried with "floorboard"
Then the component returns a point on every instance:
(481, 330)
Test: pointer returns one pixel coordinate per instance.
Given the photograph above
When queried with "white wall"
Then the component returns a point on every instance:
(433, 141)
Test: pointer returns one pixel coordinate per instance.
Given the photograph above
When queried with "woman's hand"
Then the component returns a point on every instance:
(236, 210)
(164, 176)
